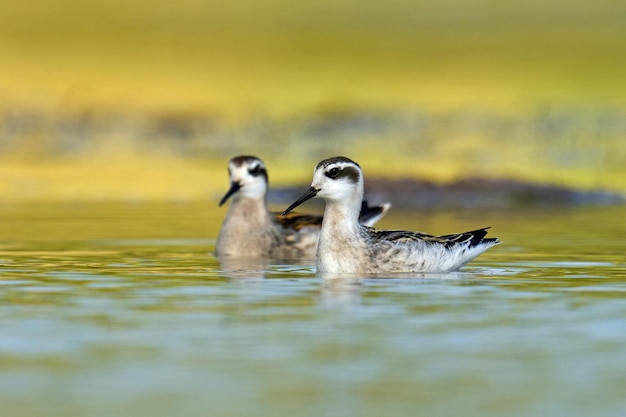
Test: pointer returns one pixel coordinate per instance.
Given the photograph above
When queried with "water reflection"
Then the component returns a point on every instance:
(244, 267)
(91, 316)
(340, 291)
(264, 267)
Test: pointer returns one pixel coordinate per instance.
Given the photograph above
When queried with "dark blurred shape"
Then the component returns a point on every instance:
(471, 193)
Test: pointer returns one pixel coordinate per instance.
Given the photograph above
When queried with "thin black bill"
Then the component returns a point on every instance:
(234, 187)
(312, 192)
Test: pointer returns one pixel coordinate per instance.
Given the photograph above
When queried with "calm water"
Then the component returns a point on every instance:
(120, 310)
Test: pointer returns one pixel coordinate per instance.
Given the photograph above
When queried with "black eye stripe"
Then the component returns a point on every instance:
(257, 170)
(349, 172)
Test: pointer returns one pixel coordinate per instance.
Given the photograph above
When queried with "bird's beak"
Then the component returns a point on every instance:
(312, 192)
(234, 187)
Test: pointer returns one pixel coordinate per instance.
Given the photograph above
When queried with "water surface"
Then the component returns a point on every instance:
(121, 309)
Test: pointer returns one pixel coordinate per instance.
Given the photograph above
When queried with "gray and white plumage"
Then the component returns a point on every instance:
(346, 246)
(251, 230)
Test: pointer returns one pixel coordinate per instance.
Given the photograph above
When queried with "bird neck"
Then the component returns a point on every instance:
(253, 210)
(339, 237)
(342, 218)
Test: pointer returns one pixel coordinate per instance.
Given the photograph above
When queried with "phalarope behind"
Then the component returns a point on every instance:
(251, 230)
(345, 246)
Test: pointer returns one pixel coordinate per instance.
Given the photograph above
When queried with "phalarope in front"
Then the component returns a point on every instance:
(250, 230)
(345, 246)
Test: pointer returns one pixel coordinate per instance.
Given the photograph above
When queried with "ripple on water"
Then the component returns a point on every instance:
(105, 320)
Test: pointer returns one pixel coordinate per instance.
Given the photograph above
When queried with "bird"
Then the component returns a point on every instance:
(347, 247)
(249, 229)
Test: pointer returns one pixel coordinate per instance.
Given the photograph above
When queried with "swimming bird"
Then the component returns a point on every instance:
(345, 246)
(251, 230)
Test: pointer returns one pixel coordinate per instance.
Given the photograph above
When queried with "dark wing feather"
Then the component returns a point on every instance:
(475, 237)
(369, 212)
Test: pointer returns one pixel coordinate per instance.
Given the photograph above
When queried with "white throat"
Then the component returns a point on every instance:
(340, 230)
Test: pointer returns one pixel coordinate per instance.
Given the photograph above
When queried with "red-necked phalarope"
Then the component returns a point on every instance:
(345, 246)
(250, 230)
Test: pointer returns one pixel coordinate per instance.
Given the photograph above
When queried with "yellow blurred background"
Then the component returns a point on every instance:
(147, 100)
